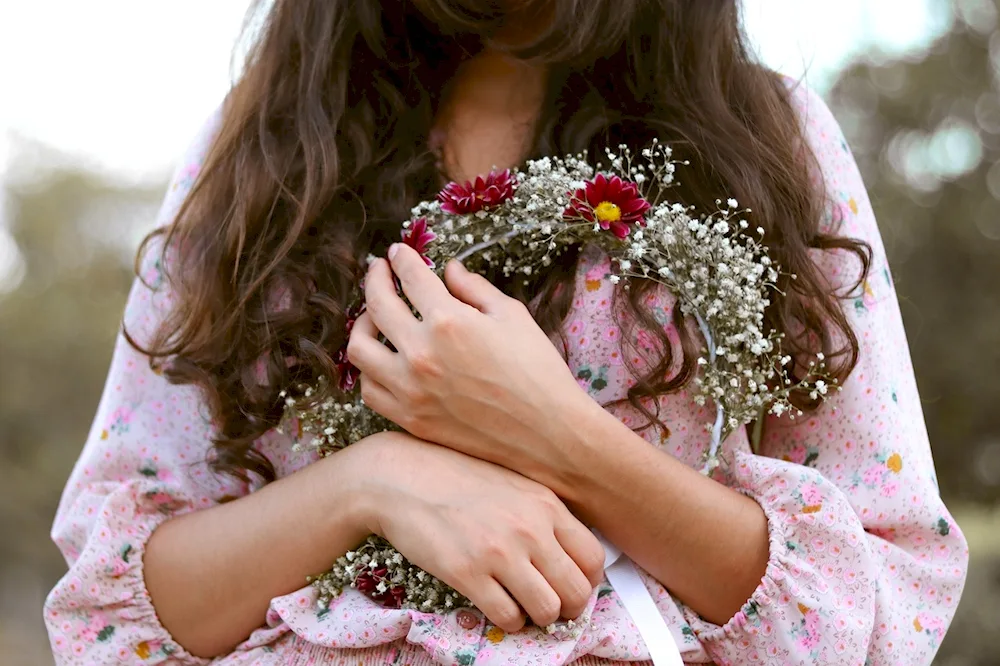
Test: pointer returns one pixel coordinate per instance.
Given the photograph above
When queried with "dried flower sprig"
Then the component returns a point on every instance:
(378, 570)
(519, 222)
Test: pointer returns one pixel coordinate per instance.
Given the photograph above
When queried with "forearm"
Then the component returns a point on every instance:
(211, 574)
(707, 543)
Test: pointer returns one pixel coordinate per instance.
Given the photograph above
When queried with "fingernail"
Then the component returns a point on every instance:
(393, 249)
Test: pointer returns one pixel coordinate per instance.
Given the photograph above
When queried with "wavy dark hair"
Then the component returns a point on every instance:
(323, 150)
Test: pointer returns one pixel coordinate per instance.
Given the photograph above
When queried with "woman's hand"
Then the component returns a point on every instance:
(474, 373)
(490, 533)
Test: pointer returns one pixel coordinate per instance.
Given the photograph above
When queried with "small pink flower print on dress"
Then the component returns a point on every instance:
(155, 648)
(932, 625)
(810, 632)
(593, 276)
(119, 421)
(163, 501)
(187, 176)
(811, 494)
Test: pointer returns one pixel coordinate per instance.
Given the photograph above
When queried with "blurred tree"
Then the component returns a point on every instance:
(56, 328)
(926, 133)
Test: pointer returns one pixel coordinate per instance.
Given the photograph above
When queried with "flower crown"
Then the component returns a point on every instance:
(519, 222)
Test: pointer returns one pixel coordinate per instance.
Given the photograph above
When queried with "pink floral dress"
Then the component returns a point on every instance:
(866, 564)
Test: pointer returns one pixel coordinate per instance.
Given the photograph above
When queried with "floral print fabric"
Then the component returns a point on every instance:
(866, 564)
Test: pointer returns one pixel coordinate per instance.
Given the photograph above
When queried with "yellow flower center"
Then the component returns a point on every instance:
(608, 212)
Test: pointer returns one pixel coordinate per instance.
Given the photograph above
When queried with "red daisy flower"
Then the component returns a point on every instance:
(472, 197)
(613, 203)
(417, 236)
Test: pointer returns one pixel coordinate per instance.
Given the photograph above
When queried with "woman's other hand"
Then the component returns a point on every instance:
(474, 373)
(499, 538)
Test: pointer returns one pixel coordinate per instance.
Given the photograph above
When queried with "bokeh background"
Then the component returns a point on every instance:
(99, 98)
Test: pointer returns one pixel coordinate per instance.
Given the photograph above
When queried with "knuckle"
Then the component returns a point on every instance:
(592, 563)
(546, 610)
(526, 533)
(507, 617)
(594, 571)
(493, 551)
(549, 501)
(576, 599)
(443, 323)
(462, 570)
(410, 395)
(424, 362)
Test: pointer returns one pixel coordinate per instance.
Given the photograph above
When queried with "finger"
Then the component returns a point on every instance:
(496, 604)
(424, 289)
(533, 592)
(371, 356)
(388, 311)
(380, 399)
(565, 577)
(474, 289)
(583, 547)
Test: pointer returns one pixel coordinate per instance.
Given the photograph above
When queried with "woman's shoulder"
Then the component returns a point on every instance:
(820, 128)
(189, 165)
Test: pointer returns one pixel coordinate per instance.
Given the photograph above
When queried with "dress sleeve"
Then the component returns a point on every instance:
(143, 462)
(866, 564)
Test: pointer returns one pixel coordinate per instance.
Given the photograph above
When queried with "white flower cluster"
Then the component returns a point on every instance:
(721, 274)
(330, 424)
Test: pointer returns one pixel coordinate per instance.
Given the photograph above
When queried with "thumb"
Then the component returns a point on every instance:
(472, 288)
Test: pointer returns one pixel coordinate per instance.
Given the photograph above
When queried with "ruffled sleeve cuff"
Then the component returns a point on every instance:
(752, 618)
(101, 611)
(817, 596)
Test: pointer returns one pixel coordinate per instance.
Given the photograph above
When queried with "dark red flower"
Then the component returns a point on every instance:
(613, 203)
(367, 583)
(472, 197)
(347, 373)
(418, 236)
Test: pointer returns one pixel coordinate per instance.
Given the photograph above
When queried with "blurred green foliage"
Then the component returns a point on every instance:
(926, 134)
(56, 333)
(925, 130)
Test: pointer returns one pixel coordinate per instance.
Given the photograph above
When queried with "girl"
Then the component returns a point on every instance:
(190, 524)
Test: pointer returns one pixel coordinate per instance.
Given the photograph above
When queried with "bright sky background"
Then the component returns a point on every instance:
(122, 85)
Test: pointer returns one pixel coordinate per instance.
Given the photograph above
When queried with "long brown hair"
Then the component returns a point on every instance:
(323, 151)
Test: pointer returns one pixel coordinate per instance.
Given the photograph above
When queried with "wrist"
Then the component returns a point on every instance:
(368, 463)
(350, 506)
(575, 435)
(601, 454)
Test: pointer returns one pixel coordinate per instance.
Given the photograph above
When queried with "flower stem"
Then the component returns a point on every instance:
(479, 247)
(713, 450)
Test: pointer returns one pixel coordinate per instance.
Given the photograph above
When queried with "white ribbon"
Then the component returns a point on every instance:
(635, 596)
